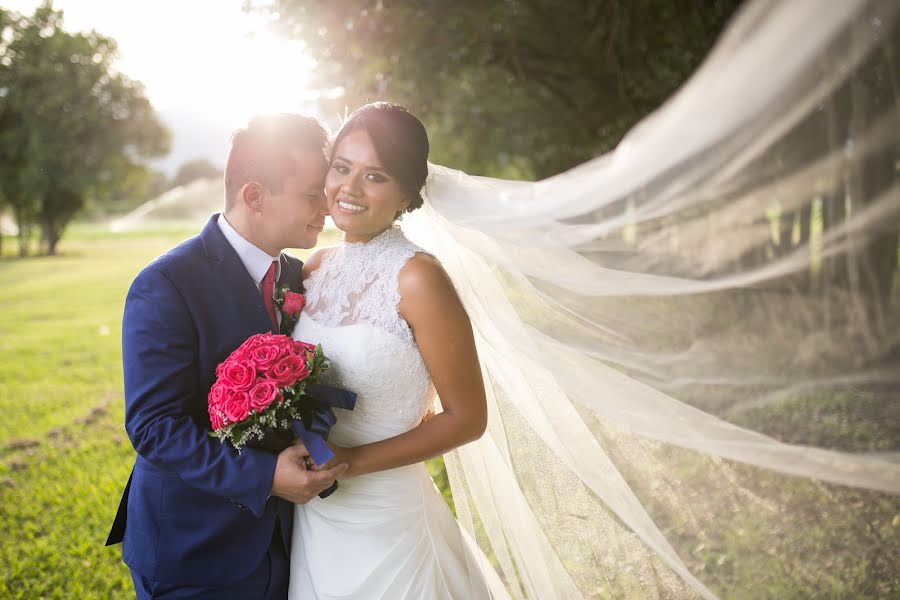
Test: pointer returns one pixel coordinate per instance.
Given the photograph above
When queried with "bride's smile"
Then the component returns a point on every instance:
(350, 207)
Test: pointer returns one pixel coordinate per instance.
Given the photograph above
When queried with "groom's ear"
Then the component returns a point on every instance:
(251, 195)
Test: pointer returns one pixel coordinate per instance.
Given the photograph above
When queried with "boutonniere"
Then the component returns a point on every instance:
(289, 304)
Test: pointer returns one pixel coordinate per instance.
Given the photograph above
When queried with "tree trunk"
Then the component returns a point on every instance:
(49, 237)
(785, 230)
(803, 278)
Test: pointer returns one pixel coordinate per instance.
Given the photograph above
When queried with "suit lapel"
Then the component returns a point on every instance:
(290, 274)
(235, 282)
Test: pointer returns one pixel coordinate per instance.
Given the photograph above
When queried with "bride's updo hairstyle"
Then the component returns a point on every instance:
(400, 141)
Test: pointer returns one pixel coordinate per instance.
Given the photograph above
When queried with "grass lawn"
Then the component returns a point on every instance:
(64, 456)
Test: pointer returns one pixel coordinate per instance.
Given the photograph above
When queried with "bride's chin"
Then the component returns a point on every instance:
(354, 226)
(341, 220)
(344, 226)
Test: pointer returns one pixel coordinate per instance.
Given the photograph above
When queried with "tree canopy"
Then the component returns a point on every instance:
(71, 127)
(522, 88)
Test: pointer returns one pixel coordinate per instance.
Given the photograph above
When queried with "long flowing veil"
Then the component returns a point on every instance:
(691, 345)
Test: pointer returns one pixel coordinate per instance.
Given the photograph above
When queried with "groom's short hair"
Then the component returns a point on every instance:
(262, 151)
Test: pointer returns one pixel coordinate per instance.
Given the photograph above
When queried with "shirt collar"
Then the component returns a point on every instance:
(255, 260)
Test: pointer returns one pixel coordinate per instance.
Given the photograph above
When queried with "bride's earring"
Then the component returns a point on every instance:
(400, 212)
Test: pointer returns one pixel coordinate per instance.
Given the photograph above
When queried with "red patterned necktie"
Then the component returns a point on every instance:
(268, 291)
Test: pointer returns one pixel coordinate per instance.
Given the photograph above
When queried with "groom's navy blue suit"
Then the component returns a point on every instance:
(195, 513)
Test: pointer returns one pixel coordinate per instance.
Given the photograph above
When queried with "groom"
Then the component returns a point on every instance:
(198, 519)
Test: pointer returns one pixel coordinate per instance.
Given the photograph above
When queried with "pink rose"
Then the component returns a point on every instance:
(263, 394)
(305, 351)
(236, 406)
(216, 395)
(215, 405)
(293, 303)
(304, 348)
(237, 374)
(215, 419)
(285, 342)
(250, 343)
(286, 346)
(219, 368)
(264, 356)
(289, 370)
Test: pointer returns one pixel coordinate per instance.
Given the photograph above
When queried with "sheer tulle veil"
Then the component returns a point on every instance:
(689, 348)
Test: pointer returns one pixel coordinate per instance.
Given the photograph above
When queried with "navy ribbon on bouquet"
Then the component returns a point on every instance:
(322, 400)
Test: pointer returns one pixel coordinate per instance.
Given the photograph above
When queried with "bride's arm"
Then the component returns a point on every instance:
(444, 336)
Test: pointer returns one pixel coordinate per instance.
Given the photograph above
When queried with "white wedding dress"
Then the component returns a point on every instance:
(389, 534)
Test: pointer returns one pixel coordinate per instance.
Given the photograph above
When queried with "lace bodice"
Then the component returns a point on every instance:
(357, 282)
(351, 309)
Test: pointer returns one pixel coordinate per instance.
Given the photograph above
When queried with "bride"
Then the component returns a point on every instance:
(396, 333)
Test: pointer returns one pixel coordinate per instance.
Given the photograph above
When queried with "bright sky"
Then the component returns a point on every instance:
(204, 54)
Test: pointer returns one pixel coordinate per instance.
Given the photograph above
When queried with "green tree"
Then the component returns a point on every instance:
(71, 128)
(195, 169)
(12, 155)
(514, 87)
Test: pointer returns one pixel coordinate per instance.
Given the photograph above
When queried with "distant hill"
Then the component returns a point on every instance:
(194, 135)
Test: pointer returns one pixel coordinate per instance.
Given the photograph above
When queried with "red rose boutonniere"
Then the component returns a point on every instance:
(289, 304)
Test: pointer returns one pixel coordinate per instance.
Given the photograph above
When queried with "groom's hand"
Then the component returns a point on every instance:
(295, 482)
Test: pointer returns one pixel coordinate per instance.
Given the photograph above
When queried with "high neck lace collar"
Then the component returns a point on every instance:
(386, 238)
(357, 282)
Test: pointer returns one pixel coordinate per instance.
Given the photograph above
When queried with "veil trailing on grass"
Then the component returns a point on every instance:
(691, 345)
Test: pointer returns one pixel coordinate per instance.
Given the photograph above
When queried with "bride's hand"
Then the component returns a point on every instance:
(341, 456)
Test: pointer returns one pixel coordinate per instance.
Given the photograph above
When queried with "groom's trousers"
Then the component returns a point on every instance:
(268, 582)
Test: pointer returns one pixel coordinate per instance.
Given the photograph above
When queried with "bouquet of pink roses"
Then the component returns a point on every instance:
(267, 392)
(261, 389)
